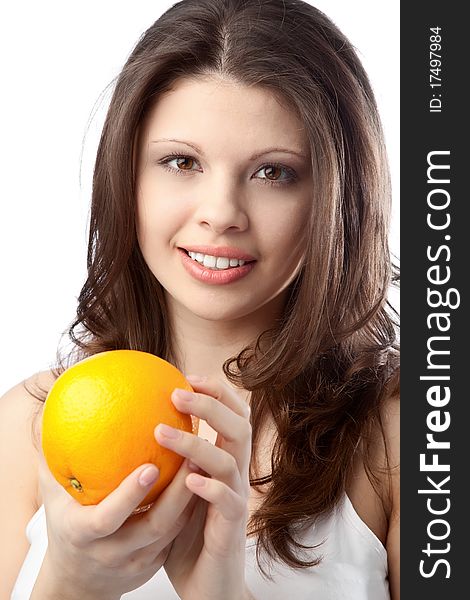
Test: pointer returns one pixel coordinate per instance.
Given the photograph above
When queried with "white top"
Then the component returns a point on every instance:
(354, 565)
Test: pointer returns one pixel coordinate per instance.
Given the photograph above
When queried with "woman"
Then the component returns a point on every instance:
(239, 226)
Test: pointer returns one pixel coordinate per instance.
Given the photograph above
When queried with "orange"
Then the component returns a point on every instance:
(99, 420)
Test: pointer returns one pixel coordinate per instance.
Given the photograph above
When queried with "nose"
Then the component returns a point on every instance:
(220, 206)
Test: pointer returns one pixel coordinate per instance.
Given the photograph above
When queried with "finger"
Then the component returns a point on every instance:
(231, 505)
(105, 518)
(157, 552)
(219, 390)
(232, 399)
(235, 430)
(165, 518)
(215, 461)
(178, 528)
(221, 418)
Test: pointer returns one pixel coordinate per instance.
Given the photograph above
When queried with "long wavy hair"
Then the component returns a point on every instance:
(324, 370)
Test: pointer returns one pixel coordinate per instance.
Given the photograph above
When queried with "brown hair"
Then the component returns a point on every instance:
(323, 371)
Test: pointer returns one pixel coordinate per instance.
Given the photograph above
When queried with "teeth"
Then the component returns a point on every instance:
(222, 262)
(209, 261)
(216, 262)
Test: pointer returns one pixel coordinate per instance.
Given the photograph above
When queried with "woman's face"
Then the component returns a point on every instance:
(223, 173)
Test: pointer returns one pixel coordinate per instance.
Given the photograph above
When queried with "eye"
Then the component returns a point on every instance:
(274, 173)
(181, 163)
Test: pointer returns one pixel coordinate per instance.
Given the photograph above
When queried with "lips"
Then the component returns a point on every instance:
(214, 276)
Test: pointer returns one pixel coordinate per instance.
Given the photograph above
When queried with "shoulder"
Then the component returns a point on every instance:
(390, 415)
(373, 486)
(20, 414)
(378, 452)
(23, 401)
(388, 452)
(385, 465)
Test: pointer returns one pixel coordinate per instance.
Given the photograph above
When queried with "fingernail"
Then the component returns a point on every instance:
(148, 476)
(183, 394)
(196, 480)
(168, 432)
(196, 378)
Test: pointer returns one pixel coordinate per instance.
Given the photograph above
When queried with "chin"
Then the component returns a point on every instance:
(213, 306)
(219, 314)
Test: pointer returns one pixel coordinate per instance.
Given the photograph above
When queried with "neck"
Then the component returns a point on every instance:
(201, 346)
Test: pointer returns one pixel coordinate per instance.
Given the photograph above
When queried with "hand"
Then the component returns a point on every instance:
(207, 559)
(98, 551)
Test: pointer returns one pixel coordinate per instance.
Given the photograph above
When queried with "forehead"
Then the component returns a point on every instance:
(212, 110)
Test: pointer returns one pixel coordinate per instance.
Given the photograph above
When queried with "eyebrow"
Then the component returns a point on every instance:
(253, 157)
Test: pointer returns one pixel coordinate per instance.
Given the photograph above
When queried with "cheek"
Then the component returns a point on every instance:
(151, 206)
(151, 233)
(146, 234)
(288, 241)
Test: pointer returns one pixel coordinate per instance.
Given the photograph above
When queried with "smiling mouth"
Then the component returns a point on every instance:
(216, 263)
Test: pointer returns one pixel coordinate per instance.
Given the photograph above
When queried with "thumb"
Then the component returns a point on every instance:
(114, 510)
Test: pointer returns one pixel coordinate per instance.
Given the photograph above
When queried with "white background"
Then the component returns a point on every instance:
(57, 58)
